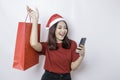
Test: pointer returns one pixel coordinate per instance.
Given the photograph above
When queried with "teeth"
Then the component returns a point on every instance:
(62, 34)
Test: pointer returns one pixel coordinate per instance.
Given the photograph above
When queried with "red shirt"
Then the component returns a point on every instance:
(59, 61)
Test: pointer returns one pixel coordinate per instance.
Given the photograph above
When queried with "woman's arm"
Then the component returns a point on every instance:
(34, 15)
(80, 50)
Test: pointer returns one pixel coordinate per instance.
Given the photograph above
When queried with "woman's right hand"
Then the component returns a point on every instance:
(34, 15)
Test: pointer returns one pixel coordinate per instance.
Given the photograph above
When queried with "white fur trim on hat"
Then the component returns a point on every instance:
(53, 22)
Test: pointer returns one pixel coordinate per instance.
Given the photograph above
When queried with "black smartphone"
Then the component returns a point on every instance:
(82, 41)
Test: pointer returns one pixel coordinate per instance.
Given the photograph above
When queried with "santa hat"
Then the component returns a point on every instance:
(53, 19)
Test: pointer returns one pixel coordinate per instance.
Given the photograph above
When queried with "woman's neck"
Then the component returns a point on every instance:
(59, 41)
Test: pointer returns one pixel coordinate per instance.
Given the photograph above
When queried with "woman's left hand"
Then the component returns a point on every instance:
(81, 50)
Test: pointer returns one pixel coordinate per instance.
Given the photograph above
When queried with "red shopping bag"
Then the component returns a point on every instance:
(25, 56)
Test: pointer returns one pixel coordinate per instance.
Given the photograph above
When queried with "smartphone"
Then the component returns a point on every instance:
(82, 41)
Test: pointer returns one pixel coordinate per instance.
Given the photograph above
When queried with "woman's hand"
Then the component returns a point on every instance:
(81, 50)
(34, 15)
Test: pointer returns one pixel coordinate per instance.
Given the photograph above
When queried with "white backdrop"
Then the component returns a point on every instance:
(98, 20)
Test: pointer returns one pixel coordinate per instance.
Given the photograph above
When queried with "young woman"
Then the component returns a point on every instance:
(62, 53)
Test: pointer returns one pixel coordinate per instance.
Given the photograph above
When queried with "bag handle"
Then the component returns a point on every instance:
(27, 17)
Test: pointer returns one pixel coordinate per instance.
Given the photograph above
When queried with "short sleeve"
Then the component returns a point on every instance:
(44, 47)
(75, 55)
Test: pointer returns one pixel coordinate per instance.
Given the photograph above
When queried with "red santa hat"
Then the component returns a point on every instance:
(53, 19)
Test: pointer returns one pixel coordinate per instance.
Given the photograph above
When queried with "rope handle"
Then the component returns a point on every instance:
(27, 17)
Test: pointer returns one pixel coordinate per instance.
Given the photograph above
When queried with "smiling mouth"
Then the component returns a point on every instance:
(62, 35)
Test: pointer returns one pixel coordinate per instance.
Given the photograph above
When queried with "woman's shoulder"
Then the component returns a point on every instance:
(73, 42)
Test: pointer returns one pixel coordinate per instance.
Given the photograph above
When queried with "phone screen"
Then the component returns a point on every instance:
(82, 41)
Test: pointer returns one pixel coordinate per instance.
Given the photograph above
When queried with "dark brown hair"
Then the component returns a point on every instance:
(52, 42)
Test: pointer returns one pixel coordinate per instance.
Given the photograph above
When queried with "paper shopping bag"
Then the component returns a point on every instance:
(25, 56)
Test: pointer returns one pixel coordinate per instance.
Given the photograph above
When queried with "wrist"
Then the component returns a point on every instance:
(34, 20)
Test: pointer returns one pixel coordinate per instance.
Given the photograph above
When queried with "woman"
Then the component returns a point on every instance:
(62, 53)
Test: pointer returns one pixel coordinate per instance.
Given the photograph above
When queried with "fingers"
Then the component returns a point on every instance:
(81, 50)
(80, 47)
(29, 10)
(37, 10)
(77, 51)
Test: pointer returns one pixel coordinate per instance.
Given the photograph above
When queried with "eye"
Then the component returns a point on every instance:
(65, 27)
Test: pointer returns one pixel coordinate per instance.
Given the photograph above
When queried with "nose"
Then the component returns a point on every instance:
(63, 31)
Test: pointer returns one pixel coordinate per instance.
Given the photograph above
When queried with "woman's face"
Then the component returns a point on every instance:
(61, 31)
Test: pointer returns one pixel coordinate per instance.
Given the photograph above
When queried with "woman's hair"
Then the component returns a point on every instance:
(52, 42)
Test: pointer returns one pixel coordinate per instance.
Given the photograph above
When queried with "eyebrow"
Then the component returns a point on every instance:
(61, 25)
